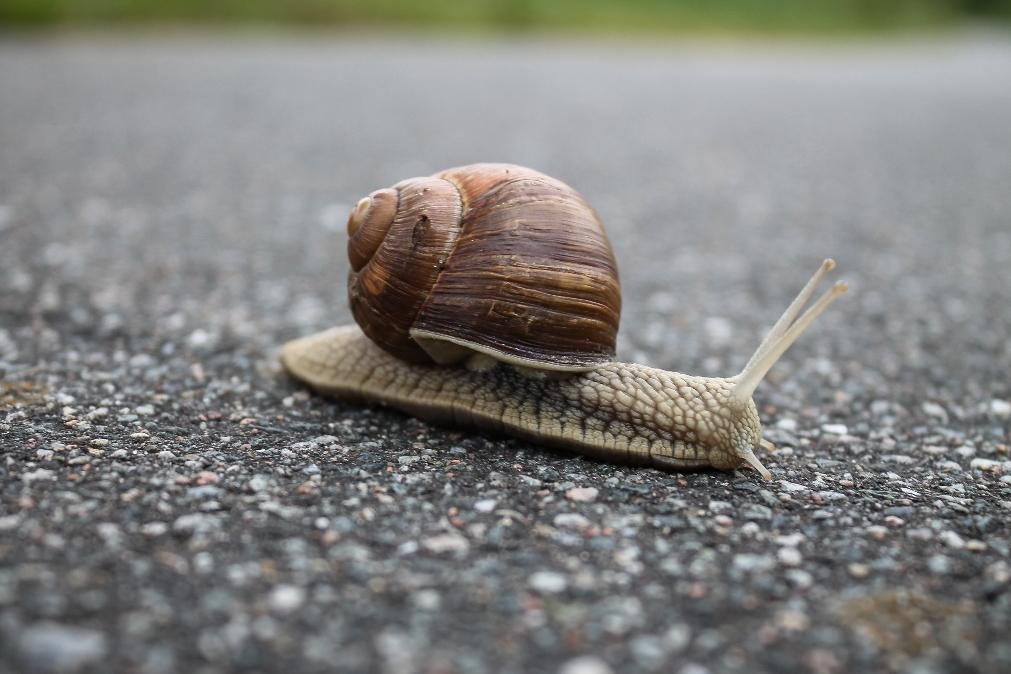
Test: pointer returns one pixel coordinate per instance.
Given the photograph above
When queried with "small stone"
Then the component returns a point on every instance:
(904, 512)
(790, 557)
(571, 521)
(975, 545)
(426, 600)
(939, 564)
(790, 540)
(648, 650)
(1000, 408)
(144, 410)
(38, 475)
(582, 494)
(952, 540)
(206, 477)
(920, 534)
(585, 664)
(154, 528)
(791, 487)
(50, 646)
(980, 463)
(753, 511)
(835, 429)
(548, 582)
(787, 424)
(195, 523)
(877, 532)
(166, 454)
(286, 598)
(858, 570)
(408, 459)
(749, 562)
(485, 505)
(934, 410)
(446, 543)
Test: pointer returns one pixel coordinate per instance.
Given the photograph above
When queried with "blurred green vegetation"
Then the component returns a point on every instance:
(521, 15)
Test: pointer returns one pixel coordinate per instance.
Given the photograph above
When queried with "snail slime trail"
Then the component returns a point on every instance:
(501, 312)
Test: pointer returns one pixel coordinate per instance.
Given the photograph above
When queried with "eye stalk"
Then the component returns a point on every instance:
(785, 332)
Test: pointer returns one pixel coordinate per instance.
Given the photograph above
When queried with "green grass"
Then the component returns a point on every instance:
(520, 15)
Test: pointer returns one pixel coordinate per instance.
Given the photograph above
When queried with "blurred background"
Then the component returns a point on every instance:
(636, 16)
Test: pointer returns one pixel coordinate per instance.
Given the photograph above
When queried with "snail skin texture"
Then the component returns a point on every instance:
(567, 393)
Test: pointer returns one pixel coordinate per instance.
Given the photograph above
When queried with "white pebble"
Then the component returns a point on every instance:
(582, 494)
(787, 424)
(935, 410)
(952, 540)
(1000, 408)
(983, 464)
(835, 429)
(585, 664)
(446, 543)
(485, 505)
(287, 598)
(548, 582)
(571, 520)
(790, 557)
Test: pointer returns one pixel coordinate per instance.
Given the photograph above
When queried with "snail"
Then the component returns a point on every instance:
(487, 296)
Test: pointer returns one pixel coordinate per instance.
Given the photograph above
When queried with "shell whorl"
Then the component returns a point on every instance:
(492, 258)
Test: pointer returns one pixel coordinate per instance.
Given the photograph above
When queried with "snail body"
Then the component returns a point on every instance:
(530, 351)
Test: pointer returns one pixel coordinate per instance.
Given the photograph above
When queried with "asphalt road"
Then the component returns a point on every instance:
(171, 211)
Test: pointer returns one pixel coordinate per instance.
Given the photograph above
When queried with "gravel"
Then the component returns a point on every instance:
(171, 211)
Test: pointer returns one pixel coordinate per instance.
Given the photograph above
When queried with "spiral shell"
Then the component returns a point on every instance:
(489, 258)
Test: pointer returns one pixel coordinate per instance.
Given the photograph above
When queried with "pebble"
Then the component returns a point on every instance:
(835, 429)
(939, 565)
(952, 539)
(787, 424)
(286, 598)
(753, 511)
(791, 487)
(548, 582)
(790, 557)
(196, 523)
(582, 494)
(934, 410)
(51, 646)
(648, 650)
(154, 528)
(858, 569)
(920, 534)
(485, 505)
(877, 532)
(585, 664)
(980, 463)
(445, 543)
(144, 410)
(571, 521)
(750, 562)
(1000, 408)
(38, 475)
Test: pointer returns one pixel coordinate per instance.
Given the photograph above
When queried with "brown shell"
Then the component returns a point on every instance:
(493, 258)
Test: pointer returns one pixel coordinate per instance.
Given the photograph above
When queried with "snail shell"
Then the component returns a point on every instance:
(487, 258)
